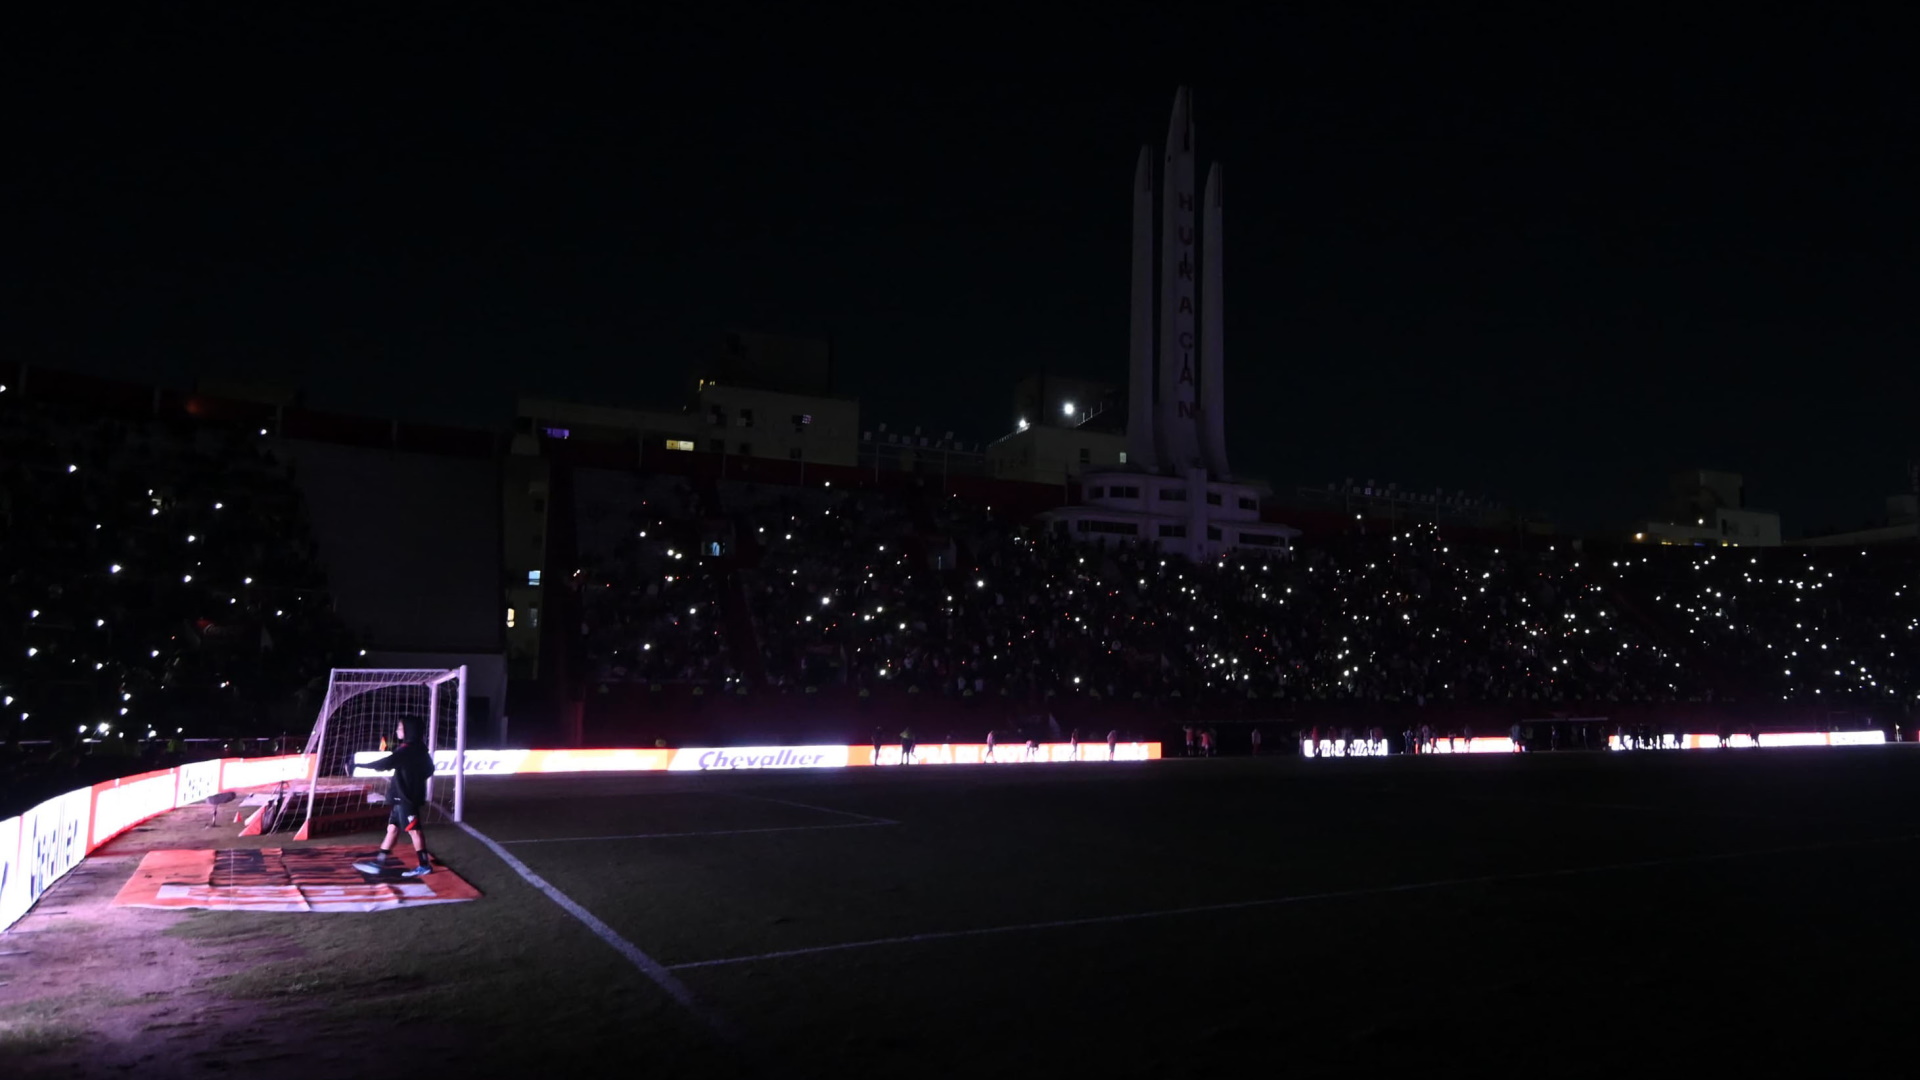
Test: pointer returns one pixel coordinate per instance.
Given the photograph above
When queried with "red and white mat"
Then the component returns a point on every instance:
(282, 879)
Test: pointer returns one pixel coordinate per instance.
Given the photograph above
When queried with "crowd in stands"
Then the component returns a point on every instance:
(1833, 624)
(159, 581)
(649, 601)
(933, 596)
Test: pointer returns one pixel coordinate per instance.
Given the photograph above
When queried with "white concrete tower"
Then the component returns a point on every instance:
(1175, 429)
(1213, 396)
(1140, 442)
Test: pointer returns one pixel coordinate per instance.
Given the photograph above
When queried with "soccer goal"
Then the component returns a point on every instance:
(358, 719)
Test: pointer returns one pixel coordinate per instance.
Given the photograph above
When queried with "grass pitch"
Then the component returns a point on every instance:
(1582, 915)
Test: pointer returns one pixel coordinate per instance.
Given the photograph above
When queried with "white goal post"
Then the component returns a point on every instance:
(359, 716)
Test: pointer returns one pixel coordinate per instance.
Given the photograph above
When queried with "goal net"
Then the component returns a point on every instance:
(359, 721)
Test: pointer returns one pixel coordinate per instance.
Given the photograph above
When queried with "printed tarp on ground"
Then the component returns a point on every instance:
(281, 879)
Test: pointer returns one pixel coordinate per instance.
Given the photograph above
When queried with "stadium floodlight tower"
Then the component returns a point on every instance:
(362, 708)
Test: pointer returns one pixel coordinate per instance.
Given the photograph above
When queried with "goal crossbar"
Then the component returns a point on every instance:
(362, 708)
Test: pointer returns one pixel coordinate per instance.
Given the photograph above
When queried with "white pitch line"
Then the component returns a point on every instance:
(648, 966)
(1277, 901)
(810, 806)
(709, 832)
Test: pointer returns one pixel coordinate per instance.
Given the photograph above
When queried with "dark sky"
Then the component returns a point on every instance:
(1545, 259)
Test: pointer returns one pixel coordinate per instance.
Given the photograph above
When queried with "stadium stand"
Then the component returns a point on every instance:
(695, 599)
(161, 583)
(873, 603)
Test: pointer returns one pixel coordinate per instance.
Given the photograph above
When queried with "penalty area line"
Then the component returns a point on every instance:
(1279, 901)
(647, 965)
(709, 832)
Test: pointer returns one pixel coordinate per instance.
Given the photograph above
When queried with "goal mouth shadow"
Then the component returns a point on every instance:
(848, 819)
(702, 832)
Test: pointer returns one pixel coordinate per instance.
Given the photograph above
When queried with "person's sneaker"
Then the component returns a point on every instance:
(378, 864)
(419, 871)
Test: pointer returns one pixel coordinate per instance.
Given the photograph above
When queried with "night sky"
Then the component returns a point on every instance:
(1549, 261)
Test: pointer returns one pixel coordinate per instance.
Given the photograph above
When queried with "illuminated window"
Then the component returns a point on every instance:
(680, 444)
(533, 577)
(509, 618)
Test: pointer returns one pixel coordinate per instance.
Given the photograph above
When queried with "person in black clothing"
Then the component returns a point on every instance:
(411, 766)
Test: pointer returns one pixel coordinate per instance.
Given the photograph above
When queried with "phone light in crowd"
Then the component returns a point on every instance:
(246, 581)
(99, 623)
(31, 651)
(363, 652)
(34, 614)
(114, 569)
(73, 468)
(186, 579)
(191, 538)
(1067, 408)
(217, 506)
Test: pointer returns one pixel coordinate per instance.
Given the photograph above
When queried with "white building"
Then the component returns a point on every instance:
(1172, 487)
(1192, 515)
(1709, 507)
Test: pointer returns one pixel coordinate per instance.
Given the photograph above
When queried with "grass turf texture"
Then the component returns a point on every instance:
(1649, 951)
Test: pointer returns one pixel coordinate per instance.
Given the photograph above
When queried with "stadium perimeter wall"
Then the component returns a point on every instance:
(39, 847)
